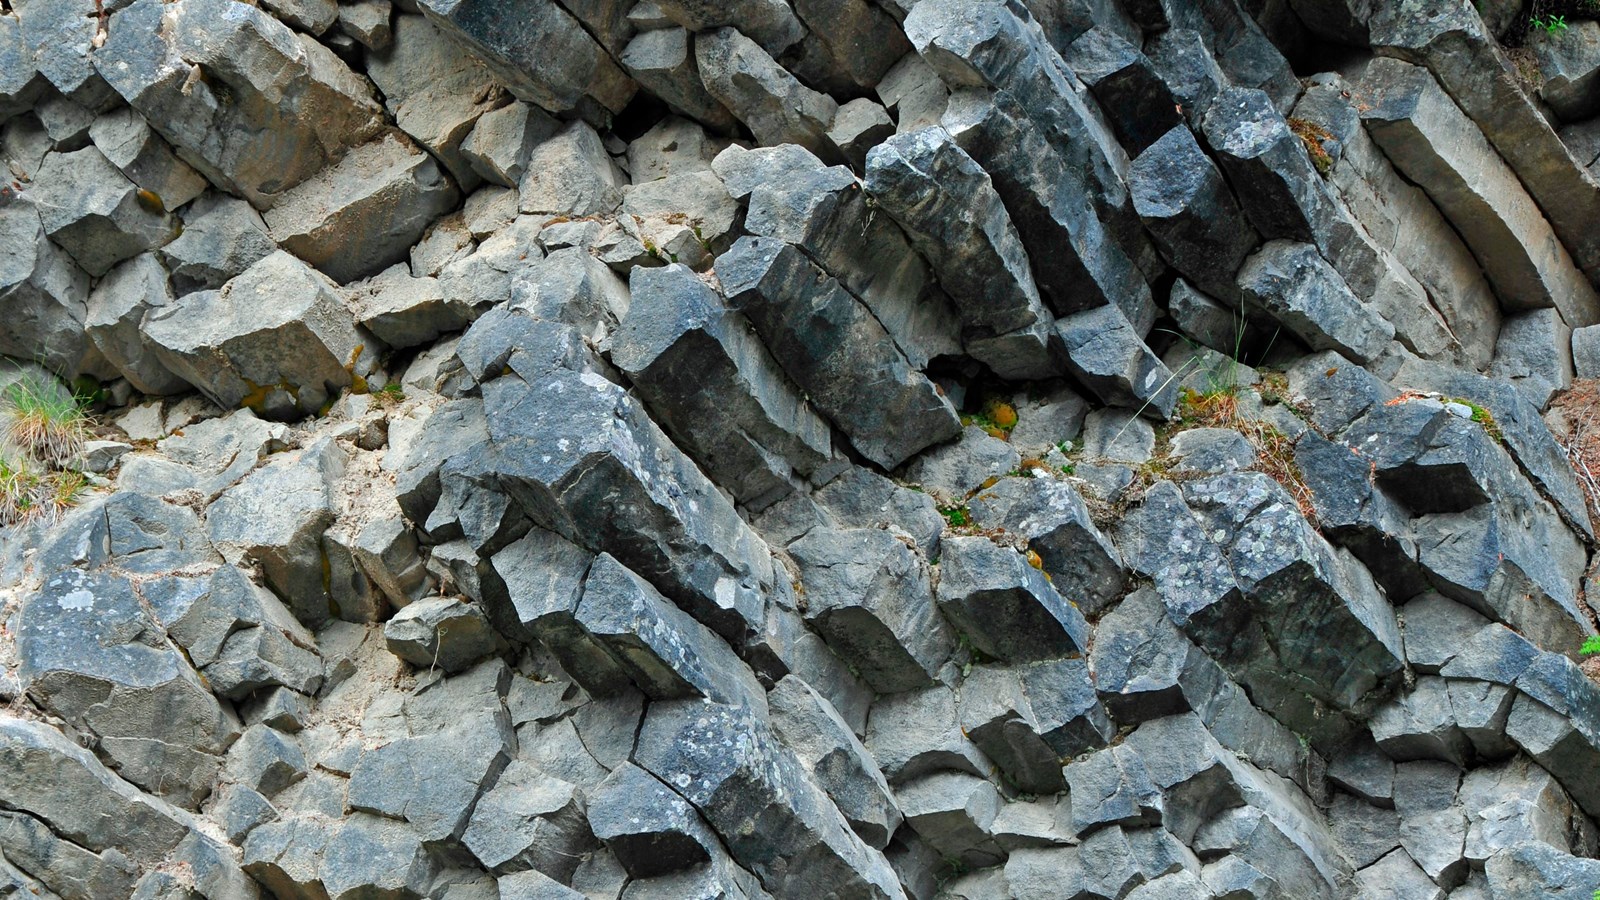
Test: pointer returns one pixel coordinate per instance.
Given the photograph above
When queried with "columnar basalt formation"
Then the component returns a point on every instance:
(958, 449)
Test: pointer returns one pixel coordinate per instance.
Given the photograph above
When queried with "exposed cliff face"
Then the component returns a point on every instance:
(828, 448)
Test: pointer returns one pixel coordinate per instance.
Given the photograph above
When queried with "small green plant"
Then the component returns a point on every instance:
(1551, 24)
(957, 516)
(1591, 646)
(1483, 417)
(997, 418)
(42, 421)
(391, 394)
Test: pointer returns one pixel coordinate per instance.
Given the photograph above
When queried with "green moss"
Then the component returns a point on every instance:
(956, 516)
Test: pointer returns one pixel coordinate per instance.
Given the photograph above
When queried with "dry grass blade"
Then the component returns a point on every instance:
(42, 421)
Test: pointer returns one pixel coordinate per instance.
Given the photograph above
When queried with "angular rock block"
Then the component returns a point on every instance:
(772, 103)
(221, 238)
(795, 198)
(1432, 142)
(687, 744)
(869, 597)
(651, 830)
(543, 574)
(403, 311)
(1140, 106)
(997, 715)
(994, 44)
(620, 486)
(952, 472)
(117, 308)
(542, 53)
(1106, 354)
(1464, 57)
(21, 83)
(1076, 262)
(503, 139)
(1007, 608)
(1534, 352)
(1082, 563)
(47, 292)
(131, 145)
(953, 812)
(173, 62)
(667, 654)
(440, 631)
(239, 635)
(362, 214)
(915, 733)
(94, 213)
(826, 746)
(530, 818)
(770, 23)
(435, 91)
(1295, 285)
(663, 62)
(716, 390)
(244, 345)
(275, 518)
(570, 174)
(920, 180)
(834, 350)
(1193, 217)
(129, 695)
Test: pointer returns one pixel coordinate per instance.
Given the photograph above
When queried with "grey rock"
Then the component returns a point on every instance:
(130, 144)
(675, 146)
(914, 733)
(1106, 354)
(715, 389)
(369, 22)
(681, 743)
(434, 90)
(503, 140)
(1568, 61)
(281, 359)
(403, 311)
(150, 683)
(667, 654)
(997, 716)
(1365, 833)
(763, 278)
(771, 23)
(859, 126)
(226, 448)
(1209, 322)
(1396, 875)
(822, 209)
(265, 760)
(776, 107)
(543, 55)
(240, 810)
(1432, 141)
(650, 829)
(953, 472)
(1046, 420)
(275, 519)
(94, 213)
(996, 45)
(543, 575)
(1081, 562)
(651, 509)
(117, 308)
(570, 174)
(914, 92)
(953, 812)
(530, 819)
(1076, 262)
(440, 631)
(58, 39)
(861, 40)
(362, 214)
(1533, 352)
(1531, 869)
(572, 287)
(1437, 629)
(150, 65)
(663, 62)
(1193, 217)
(868, 595)
(1140, 106)
(1295, 285)
(1118, 436)
(1112, 787)
(49, 293)
(1586, 351)
(860, 498)
(1420, 725)
(221, 238)
(1213, 451)
(22, 84)
(1003, 605)
(919, 179)
(822, 741)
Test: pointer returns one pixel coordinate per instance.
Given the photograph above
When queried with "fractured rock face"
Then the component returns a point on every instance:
(244, 346)
(362, 214)
(195, 71)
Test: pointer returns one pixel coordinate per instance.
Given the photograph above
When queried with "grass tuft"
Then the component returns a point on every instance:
(42, 421)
